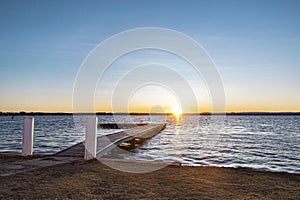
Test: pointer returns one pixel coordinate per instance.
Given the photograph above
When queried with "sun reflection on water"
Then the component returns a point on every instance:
(177, 113)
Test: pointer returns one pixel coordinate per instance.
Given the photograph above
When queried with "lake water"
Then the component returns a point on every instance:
(261, 142)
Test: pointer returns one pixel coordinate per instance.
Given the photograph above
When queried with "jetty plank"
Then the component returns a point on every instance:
(106, 143)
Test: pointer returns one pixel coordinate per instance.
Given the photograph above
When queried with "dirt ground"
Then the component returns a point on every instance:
(94, 180)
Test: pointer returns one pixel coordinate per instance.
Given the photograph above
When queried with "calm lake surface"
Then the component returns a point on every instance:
(261, 142)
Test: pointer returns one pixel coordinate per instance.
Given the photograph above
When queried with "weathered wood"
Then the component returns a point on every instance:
(108, 142)
(91, 138)
(27, 142)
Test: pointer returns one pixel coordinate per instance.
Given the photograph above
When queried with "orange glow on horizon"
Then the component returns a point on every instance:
(176, 112)
(141, 109)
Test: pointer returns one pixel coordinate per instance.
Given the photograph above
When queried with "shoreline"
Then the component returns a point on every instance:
(17, 155)
(82, 179)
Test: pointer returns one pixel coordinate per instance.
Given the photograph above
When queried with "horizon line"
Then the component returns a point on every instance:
(145, 113)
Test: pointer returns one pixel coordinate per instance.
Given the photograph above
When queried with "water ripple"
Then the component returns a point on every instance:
(261, 142)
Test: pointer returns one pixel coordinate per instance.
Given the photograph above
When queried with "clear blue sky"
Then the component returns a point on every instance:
(255, 44)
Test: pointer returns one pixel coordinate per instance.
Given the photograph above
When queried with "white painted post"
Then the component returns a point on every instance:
(27, 143)
(91, 138)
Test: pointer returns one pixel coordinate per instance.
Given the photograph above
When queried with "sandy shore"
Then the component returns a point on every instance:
(92, 180)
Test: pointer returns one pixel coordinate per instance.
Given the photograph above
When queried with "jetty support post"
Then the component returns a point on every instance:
(27, 142)
(91, 138)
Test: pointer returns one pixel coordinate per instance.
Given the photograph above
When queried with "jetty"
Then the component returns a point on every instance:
(136, 135)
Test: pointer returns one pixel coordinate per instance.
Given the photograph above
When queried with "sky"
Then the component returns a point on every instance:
(255, 46)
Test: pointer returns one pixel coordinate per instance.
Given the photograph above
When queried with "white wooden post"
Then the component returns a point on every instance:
(91, 138)
(27, 142)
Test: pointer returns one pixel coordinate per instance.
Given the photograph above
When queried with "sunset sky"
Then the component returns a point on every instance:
(255, 46)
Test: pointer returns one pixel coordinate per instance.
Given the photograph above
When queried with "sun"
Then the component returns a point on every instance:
(177, 112)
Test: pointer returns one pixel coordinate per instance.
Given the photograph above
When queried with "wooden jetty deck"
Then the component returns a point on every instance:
(108, 142)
